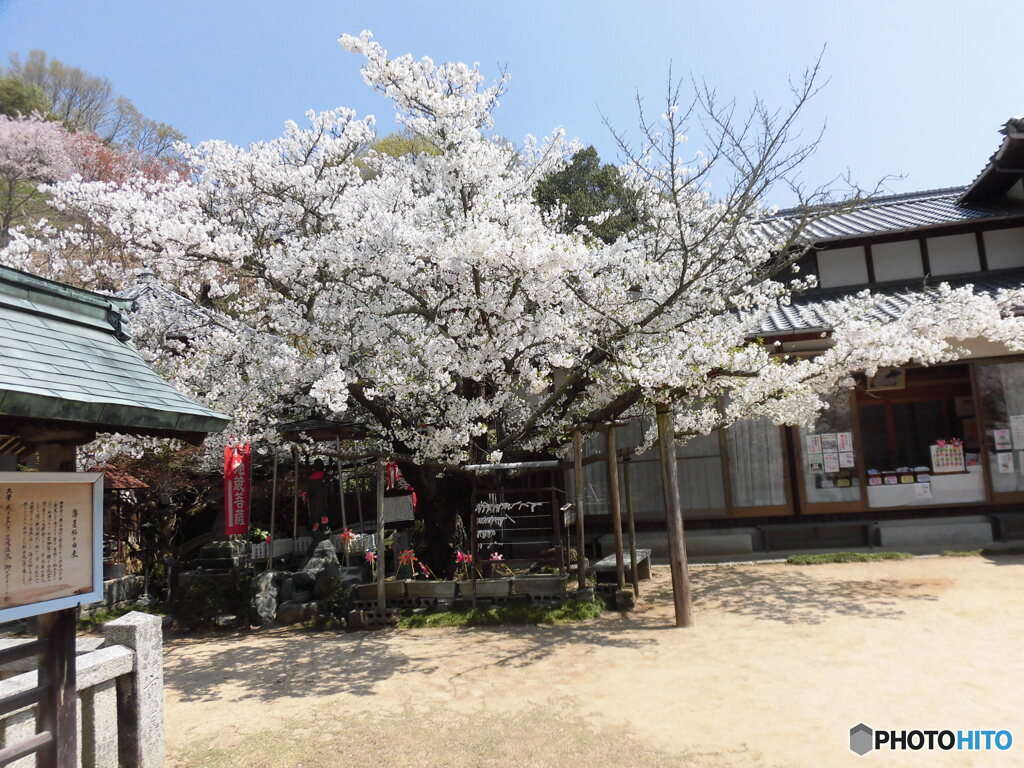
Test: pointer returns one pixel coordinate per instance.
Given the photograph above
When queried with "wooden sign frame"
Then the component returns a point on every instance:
(95, 479)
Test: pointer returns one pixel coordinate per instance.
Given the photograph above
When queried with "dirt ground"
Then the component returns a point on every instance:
(783, 660)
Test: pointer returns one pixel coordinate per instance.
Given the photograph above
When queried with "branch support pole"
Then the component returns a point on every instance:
(295, 495)
(341, 499)
(673, 516)
(611, 454)
(381, 557)
(581, 552)
(273, 511)
(634, 575)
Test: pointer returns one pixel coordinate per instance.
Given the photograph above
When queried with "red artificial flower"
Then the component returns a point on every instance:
(407, 557)
(371, 556)
(496, 557)
(323, 520)
(348, 535)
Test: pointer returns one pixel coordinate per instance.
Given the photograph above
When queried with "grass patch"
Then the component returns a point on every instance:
(513, 613)
(846, 557)
(956, 553)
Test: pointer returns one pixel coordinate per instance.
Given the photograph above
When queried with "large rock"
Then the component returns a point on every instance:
(294, 612)
(323, 557)
(264, 599)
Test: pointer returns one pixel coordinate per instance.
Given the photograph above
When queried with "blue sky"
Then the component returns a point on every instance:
(916, 88)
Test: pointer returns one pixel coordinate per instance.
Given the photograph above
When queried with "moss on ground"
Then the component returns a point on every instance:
(513, 613)
(846, 557)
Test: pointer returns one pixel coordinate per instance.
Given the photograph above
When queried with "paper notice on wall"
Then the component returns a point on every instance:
(846, 459)
(1002, 439)
(1017, 431)
(845, 440)
(815, 463)
(831, 461)
(829, 442)
(1005, 462)
(813, 444)
(923, 491)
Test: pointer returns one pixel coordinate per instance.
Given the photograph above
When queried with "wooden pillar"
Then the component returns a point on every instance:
(341, 500)
(273, 512)
(634, 575)
(673, 516)
(57, 710)
(295, 496)
(581, 552)
(612, 461)
(381, 483)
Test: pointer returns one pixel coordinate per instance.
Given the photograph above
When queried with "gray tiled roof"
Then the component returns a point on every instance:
(813, 312)
(64, 356)
(892, 213)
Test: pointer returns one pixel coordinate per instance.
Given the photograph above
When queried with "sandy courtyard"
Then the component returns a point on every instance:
(782, 662)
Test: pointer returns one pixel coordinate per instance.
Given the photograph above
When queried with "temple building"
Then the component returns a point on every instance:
(917, 457)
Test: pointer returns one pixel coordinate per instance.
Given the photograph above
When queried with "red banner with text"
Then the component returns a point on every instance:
(237, 463)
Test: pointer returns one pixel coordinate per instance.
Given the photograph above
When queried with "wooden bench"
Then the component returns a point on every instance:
(605, 567)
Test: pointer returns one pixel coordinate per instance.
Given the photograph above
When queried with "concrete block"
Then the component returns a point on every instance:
(935, 533)
(140, 696)
(17, 727)
(98, 724)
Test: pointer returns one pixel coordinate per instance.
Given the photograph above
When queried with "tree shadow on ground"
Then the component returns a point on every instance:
(792, 596)
(295, 663)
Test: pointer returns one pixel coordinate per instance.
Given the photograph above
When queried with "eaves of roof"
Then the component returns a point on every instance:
(814, 312)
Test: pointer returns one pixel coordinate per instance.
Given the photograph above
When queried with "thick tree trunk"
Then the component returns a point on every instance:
(439, 502)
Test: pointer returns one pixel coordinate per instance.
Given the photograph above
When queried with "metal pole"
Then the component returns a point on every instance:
(381, 482)
(273, 510)
(634, 575)
(581, 556)
(611, 454)
(673, 516)
(341, 497)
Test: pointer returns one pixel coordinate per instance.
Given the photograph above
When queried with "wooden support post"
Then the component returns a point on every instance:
(674, 516)
(381, 483)
(359, 504)
(611, 454)
(634, 575)
(295, 496)
(475, 547)
(581, 552)
(273, 513)
(556, 522)
(57, 712)
(341, 499)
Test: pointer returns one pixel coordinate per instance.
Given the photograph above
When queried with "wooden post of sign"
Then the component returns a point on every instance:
(634, 575)
(581, 551)
(381, 483)
(57, 713)
(341, 497)
(273, 512)
(612, 460)
(674, 516)
(295, 497)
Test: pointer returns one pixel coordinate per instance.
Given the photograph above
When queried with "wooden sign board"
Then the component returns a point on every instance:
(51, 528)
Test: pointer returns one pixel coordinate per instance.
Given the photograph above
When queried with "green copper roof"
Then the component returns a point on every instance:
(65, 356)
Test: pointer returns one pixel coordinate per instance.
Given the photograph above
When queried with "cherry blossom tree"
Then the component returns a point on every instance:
(32, 150)
(427, 296)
